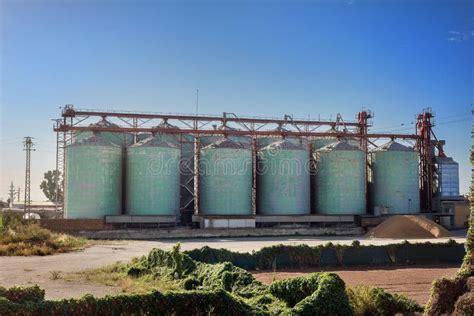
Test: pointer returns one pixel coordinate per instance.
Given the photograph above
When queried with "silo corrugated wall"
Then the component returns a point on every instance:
(283, 180)
(340, 180)
(395, 179)
(225, 181)
(94, 179)
(153, 178)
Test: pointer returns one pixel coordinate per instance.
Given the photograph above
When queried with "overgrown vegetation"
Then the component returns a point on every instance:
(165, 271)
(367, 301)
(20, 237)
(304, 256)
(457, 295)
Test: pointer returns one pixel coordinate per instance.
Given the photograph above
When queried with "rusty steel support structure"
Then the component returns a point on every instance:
(73, 120)
(424, 127)
(363, 120)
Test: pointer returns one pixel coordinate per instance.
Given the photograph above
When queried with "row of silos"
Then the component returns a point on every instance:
(96, 169)
(153, 176)
(284, 177)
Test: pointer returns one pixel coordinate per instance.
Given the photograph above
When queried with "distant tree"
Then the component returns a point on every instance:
(49, 185)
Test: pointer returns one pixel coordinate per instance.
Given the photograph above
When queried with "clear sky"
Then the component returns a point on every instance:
(263, 58)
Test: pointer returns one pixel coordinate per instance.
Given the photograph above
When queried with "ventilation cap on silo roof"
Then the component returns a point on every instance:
(154, 142)
(226, 143)
(94, 140)
(339, 145)
(224, 127)
(393, 146)
(283, 144)
(165, 124)
(103, 123)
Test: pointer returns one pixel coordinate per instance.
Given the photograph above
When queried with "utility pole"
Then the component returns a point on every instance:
(18, 194)
(27, 147)
(12, 194)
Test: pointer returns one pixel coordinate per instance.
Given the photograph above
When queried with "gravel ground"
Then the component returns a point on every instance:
(41, 270)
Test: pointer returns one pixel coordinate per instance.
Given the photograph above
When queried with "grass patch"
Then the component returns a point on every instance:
(116, 275)
(26, 238)
(367, 301)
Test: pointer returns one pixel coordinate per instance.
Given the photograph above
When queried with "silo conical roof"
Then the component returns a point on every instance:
(225, 143)
(95, 140)
(339, 145)
(154, 142)
(393, 146)
(283, 144)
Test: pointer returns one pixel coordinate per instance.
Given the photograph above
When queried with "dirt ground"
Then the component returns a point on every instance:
(46, 271)
(413, 281)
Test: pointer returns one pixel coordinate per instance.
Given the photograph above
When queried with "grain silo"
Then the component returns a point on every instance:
(152, 182)
(395, 179)
(225, 181)
(340, 180)
(320, 142)
(283, 179)
(94, 178)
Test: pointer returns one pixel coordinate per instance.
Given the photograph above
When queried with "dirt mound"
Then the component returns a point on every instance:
(408, 226)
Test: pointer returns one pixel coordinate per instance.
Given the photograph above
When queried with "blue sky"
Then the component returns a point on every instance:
(263, 58)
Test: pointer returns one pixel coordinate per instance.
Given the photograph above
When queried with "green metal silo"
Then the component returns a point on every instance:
(339, 180)
(320, 142)
(225, 183)
(121, 139)
(283, 179)
(93, 178)
(395, 179)
(153, 178)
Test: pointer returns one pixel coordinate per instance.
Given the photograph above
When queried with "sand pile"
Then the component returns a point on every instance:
(408, 226)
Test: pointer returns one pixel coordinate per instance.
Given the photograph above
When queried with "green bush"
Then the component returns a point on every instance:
(298, 256)
(23, 294)
(303, 256)
(295, 289)
(465, 304)
(175, 261)
(329, 299)
(172, 303)
(191, 283)
(211, 255)
(21, 237)
(373, 301)
(444, 293)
